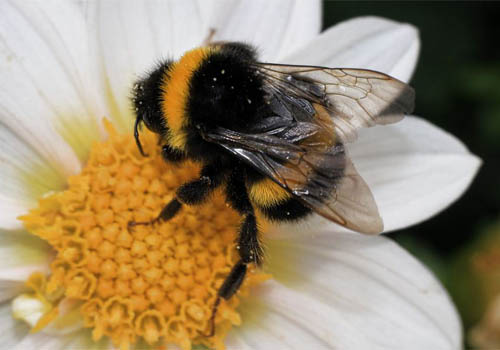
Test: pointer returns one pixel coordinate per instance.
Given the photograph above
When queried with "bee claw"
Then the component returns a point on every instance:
(212, 319)
(131, 225)
(211, 333)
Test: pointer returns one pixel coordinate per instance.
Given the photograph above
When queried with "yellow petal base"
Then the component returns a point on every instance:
(155, 282)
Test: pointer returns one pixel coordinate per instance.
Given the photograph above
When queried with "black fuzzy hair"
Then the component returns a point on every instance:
(147, 98)
(225, 90)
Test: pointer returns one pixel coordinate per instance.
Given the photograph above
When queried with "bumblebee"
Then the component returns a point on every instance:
(272, 135)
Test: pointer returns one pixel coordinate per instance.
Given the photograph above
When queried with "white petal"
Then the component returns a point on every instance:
(40, 341)
(347, 291)
(11, 289)
(12, 331)
(77, 340)
(22, 254)
(44, 80)
(414, 169)
(25, 177)
(276, 27)
(132, 36)
(364, 42)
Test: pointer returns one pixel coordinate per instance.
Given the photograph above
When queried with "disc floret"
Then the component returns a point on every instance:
(156, 282)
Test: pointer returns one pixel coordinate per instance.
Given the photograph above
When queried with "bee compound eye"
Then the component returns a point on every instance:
(151, 122)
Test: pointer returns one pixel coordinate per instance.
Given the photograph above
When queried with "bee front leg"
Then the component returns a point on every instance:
(190, 193)
(167, 213)
(248, 245)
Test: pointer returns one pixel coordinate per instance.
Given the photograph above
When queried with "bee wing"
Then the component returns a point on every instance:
(354, 98)
(301, 146)
(352, 204)
(317, 173)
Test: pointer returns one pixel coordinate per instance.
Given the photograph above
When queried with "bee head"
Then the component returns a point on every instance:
(146, 99)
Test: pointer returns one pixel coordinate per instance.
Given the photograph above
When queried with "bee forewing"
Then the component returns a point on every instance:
(355, 98)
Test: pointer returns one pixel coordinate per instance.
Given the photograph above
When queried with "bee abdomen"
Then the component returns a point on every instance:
(289, 210)
(275, 202)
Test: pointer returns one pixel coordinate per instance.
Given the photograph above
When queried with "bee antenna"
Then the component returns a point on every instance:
(136, 135)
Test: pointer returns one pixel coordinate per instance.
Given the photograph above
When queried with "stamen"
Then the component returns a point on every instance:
(158, 282)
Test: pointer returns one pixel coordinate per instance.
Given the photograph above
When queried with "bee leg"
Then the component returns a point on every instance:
(190, 193)
(167, 213)
(248, 244)
(230, 286)
(250, 251)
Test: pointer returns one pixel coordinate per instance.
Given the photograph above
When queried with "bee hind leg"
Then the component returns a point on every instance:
(248, 245)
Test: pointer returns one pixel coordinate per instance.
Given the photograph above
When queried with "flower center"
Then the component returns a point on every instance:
(156, 282)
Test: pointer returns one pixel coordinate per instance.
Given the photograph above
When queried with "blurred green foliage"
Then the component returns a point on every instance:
(474, 275)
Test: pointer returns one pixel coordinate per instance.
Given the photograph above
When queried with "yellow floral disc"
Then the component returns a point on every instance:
(155, 282)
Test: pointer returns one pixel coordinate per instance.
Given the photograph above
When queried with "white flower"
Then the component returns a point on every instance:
(65, 65)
